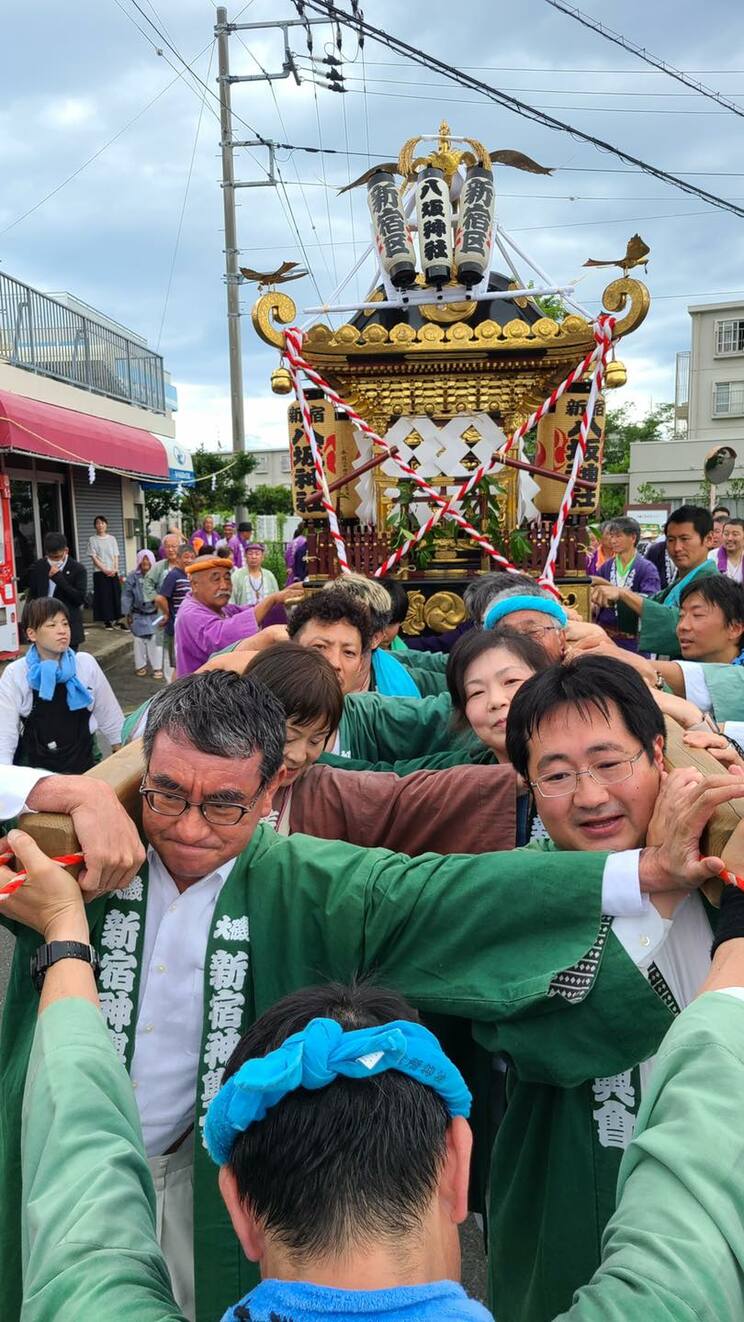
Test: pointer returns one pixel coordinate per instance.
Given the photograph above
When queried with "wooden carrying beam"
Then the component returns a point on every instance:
(123, 771)
(725, 819)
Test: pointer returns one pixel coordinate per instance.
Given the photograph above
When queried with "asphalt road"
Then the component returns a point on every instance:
(131, 691)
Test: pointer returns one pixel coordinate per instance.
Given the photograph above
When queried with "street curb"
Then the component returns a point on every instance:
(110, 649)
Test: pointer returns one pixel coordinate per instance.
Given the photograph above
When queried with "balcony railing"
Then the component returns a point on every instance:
(43, 335)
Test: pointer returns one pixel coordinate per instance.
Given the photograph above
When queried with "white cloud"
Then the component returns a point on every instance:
(67, 112)
(203, 418)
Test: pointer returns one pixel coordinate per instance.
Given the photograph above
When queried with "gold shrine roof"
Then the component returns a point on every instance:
(469, 336)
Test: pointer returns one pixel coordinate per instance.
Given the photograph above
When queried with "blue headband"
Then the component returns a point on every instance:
(523, 602)
(316, 1057)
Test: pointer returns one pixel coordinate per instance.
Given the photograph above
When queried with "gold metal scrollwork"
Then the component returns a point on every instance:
(615, 299)
(274, 304)
(443, 611)
(414, 621)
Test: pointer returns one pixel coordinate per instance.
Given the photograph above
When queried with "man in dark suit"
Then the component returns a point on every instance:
(58, 575)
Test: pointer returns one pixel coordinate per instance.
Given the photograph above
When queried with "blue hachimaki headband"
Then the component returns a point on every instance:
(317, 1056)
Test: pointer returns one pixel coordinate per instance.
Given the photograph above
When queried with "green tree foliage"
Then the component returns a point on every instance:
(222, 495)
(269, 500)
(274, 560)
(612, 501)
(622, 430)
(648, 494)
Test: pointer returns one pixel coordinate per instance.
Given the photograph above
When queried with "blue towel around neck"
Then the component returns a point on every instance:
(391, 678)
(300, 1301)
(44, 676)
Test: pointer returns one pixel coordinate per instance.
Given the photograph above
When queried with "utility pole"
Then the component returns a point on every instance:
(232, 274)
(222, 32)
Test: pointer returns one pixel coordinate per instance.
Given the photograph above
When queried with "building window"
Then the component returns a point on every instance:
(286, 464)
(730, 336)
(262, 464)
(728, 399)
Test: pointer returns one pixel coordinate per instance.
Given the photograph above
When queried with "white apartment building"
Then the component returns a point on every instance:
(273, 469)
(709, 406)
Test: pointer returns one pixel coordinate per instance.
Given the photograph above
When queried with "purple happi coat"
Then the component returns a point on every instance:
(644, 579)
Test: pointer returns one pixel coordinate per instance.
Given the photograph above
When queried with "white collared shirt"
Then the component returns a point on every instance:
(170, 1017)
(16, 783)
(678, 946)
(17, 699)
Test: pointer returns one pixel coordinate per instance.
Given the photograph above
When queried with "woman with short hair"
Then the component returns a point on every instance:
(103, 550)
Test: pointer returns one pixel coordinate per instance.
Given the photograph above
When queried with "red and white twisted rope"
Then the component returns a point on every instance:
(603, 334)
(297, 364)
(321, 480)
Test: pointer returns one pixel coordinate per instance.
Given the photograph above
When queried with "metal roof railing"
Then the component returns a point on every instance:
(42, 335)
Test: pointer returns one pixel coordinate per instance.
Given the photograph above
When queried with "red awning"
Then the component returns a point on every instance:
(32, 427)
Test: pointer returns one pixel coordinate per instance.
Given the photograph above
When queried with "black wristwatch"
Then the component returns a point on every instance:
(50, 954)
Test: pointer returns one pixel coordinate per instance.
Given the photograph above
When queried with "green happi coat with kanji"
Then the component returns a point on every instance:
(500, 941)
(555, 1163)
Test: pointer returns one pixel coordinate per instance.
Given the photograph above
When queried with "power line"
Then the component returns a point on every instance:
(205, 86)
(90, 159)
(541, 91)
(280, 117)
(179, 227)
(543, 68)
(583, 110)
(646, 56)
(326, 7)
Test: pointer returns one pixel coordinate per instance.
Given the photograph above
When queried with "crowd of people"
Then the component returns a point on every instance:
(405, 933)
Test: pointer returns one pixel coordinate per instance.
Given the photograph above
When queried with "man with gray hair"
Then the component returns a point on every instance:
(226, 917)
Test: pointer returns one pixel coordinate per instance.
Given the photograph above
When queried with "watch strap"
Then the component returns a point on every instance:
(54, 951)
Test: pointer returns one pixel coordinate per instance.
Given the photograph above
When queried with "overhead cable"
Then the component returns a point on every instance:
(646, 56)
(327, 8)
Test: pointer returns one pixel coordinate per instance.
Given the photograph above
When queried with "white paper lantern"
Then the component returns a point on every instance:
(434, 215)
(391, 237)
(474, 232)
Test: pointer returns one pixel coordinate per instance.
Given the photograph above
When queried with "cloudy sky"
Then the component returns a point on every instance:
(137, 232)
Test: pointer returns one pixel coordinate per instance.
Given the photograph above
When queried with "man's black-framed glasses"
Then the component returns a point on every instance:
(168, 804)
(609, 771)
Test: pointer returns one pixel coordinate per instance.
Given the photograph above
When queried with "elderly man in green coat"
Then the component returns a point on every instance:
(226, 917)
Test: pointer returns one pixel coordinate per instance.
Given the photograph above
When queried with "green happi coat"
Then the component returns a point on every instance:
(726, 689)
(427, 670)
(488, 939)
(673, 1250)
(435, 662)
(658, 622)
(548, 1216)
(378, 729)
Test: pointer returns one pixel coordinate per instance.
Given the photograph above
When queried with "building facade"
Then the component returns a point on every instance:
(709, 407)
(273, 469)
(86, 414)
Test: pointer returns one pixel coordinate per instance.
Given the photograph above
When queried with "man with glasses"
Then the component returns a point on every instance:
(689, 533)
(588, 737)
(226, 917)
